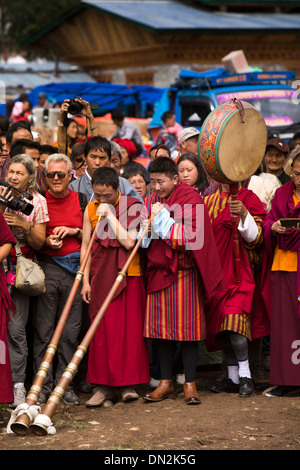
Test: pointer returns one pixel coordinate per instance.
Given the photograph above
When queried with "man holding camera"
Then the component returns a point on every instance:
(97, 151)
(74, 106)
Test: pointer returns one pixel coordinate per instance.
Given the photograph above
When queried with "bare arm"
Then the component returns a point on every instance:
(86, 111)
(61, 130)
(5, 250)
(126, 238)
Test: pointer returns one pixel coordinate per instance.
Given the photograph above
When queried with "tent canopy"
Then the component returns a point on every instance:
(107, 96)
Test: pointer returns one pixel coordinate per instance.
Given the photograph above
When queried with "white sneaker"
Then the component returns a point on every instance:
(19, 395)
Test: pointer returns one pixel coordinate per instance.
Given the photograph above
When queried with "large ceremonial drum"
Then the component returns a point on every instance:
(232, 142)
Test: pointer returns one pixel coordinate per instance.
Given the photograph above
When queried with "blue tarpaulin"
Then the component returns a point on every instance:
(107, 96)
(184, 73)
(160, 107)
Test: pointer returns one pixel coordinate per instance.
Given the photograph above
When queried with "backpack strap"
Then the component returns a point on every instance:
(82, 201)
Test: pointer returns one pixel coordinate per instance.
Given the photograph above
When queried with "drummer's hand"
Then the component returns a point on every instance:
(238, 208)
(156, 208)
(277, 228)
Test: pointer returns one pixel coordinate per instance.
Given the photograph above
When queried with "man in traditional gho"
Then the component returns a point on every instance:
(241, 314)
(118, 356)
(182, 266)
(283, 249)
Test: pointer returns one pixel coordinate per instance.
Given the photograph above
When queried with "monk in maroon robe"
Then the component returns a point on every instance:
(118, 356)
(283, 250)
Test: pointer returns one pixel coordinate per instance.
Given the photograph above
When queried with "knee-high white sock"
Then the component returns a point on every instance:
(233, 373)
(244, 369)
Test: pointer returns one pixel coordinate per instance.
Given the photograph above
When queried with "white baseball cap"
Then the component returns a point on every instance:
(187, 133)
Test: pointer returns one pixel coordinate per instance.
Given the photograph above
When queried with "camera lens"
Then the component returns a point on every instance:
(74, 107)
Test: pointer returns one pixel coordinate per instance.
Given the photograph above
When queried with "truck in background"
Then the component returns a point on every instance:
(195, 94)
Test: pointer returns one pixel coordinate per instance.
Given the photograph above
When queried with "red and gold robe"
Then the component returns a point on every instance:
(179, 276)
(235, 310)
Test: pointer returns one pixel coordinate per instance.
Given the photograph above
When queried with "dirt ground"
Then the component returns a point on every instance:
(221, 422)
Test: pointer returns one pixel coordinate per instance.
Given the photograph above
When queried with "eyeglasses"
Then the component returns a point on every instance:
(60, 174)
(79, 160)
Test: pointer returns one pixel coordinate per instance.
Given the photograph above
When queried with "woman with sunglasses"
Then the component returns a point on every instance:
(29, 231)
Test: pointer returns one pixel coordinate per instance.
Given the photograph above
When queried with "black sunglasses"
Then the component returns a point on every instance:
(60, 174)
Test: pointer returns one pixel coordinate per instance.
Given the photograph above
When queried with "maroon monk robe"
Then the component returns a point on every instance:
(118, 353)
(6, 304)
(285, 288)
(162, 260)
(243, 298)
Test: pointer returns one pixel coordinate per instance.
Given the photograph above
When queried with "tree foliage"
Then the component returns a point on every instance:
(21, 19)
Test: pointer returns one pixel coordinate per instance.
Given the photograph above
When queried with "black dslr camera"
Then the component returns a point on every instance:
(15, 203)
(75, 107)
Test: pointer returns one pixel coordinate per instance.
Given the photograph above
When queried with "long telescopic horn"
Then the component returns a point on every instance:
(43, 421)
(21, 425)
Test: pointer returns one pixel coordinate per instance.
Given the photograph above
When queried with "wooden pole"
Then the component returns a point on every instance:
(236, 243)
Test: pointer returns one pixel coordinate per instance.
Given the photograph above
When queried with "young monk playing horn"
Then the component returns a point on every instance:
(182, 266)
(118, 357)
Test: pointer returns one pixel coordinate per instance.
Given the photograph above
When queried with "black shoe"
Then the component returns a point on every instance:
(246, 387)
(225, 385)
(70, 398)
(282, 391)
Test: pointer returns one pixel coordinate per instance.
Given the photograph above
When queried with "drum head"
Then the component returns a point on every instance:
(241, 146)
(230, 147)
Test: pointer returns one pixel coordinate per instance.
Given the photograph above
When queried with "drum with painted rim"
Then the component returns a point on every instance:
(232, 142)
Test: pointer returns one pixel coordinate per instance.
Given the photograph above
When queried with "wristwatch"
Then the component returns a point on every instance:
(78, 231)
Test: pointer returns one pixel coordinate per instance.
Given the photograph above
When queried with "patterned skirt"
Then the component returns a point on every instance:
(238, 323)
(176, 312)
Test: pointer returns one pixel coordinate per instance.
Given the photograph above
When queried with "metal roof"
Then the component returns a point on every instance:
(170, 16)
(28, 75)
(160, 15)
